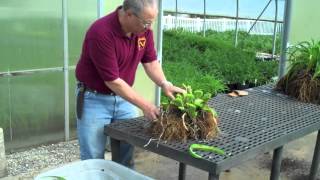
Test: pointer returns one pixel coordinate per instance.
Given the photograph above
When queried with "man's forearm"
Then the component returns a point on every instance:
(155, 72)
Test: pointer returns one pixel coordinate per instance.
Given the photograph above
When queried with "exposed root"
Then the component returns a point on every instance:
(151, 139)
(301, 86)
(183, 121)
(172, 125)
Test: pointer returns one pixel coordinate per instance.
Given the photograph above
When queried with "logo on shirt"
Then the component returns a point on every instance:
(141, 43)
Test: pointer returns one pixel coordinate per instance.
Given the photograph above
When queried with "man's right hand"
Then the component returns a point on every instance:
(151, 112)
(121, 88)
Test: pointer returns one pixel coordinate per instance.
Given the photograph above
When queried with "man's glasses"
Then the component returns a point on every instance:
(146, 24)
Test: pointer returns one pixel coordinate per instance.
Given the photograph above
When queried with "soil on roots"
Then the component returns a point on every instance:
(301, 86)
(174, 125)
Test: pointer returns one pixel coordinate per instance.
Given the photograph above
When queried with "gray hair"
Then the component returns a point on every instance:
(137, 6)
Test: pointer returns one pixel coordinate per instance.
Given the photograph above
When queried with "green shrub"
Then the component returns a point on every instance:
(208, 62)
(247, 42)
(267, 70)
(186, 73)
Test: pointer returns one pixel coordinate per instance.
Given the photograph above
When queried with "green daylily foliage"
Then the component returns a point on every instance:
(305, 55)
(192, 102)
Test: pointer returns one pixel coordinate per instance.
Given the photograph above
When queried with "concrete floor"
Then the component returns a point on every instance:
(296, 162)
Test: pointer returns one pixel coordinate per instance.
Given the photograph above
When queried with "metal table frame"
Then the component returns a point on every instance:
(259, 132)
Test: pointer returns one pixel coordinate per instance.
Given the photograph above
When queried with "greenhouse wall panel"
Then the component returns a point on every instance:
(305, 21)
(31, 34)
(32, 83)
(80, 17)
(36, 107)
(31, 93)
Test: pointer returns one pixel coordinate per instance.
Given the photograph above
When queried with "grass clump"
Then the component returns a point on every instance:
(302, 80)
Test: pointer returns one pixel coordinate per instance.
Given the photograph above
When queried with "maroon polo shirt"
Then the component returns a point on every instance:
(108, 54)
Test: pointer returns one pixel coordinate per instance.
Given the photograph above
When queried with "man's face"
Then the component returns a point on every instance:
(143, 21)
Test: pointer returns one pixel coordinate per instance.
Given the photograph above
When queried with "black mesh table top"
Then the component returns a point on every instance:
(250, 125)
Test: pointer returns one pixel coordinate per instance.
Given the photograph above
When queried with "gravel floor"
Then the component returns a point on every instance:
(295, 165)
(29, 163)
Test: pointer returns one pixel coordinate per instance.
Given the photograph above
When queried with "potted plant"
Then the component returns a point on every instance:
(302, 79)
(188, 116)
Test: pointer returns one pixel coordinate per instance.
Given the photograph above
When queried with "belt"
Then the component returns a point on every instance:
(82, 85)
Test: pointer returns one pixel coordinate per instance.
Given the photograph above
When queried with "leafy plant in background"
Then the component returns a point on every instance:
(302, 79)
(266, 71)
(305, 56)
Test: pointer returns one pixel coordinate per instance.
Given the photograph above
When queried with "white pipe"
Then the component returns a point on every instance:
(66, 68)
(159, 49)
(204, 18)
(100, 8)
(3, 161)
(285, 37)
(237, 29)
(274, 39)
(176, 19)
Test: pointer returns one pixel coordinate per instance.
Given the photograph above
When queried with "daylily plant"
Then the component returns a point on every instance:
(191, 102)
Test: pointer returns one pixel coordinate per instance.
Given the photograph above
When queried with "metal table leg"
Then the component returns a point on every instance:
(182, 171)
(213, 176)
(276, 163)
(115, 150)
(315, 160)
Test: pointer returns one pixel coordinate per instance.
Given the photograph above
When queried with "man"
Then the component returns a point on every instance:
(112, 49)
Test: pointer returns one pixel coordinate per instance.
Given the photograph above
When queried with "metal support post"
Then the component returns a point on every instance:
(258, 18)
(237, 29)
(285, 37)
(159, 49)
(213, 176)
(115, 150)
(66, 68)
(276, 163)
(274, 39)
(182, 171)
(315, 160)
(204, 18)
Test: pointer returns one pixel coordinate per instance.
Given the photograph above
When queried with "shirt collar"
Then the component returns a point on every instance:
(117, 26)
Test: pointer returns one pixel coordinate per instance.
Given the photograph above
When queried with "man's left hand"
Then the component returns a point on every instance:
(169, 89)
